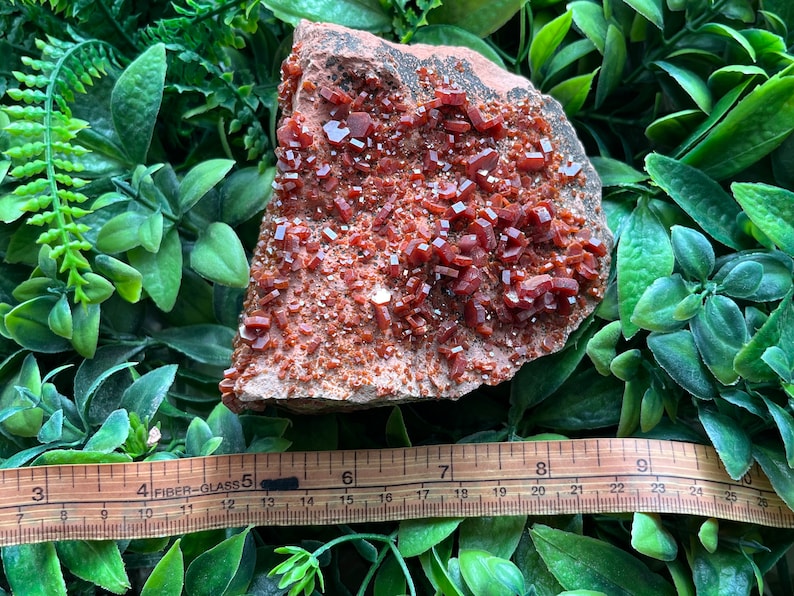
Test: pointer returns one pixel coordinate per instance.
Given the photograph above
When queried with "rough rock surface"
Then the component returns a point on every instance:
(435, 224)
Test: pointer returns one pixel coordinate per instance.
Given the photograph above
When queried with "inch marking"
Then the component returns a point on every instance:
(121, 501)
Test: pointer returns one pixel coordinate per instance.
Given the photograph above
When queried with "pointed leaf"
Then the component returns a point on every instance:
(167, 577)
(547, 40)
(589, 19)
(146, 393)
(731, 441)
(60, 318)
(771, 209)
(356, 14)
(219, 256)
(655, 310)
(498, 536)
(650, 538)
(161, 271)
(615, 55)
(451, 35)
(33, 570)
(415, 536)
(135, 101)
(98, 562)
(26, 324)
(650, 9)
(481, 18)
(200, 180)
(720, 332)
(121, 233)
(112, 434)
(487, 575)
(208, 344)
(677, 354)
(212, 572)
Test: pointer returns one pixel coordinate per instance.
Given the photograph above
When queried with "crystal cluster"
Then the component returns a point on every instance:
(427, 233)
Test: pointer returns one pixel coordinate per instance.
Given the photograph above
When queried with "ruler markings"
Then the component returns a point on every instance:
(590, 476)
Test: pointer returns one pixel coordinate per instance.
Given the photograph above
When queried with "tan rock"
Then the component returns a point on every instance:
(435, 224)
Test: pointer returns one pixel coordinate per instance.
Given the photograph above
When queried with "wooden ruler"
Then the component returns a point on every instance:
(136, 500)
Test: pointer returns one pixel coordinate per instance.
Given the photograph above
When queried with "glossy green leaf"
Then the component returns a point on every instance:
(121, 233)
(589, 19)
(98, 289)
(677, 354)
(245, 193)
(573, 92)
(415, 536)
(720, 332)
(218, 255)
(26, 324)
(615, 56)
(722, 572)
(614, 172)
(396, 433)
(631, 407)
(601, 347)
(547, 40)
(734, 75)
(450, 35)
(691, 83)
(488, 575)
(708, 534)
(127, 280)
(33, 570)
(60, 457)
(785, 424)
(150, 234)
(656, 308)
(569, 55)
(650, 538)
(112, 434)
(701, 197)
(571, 409)
(167, 577)
(722, 30)
(780, 324)
(161, 271)
(198, 433)
(208, 344)
(582, 562)
(212, 572)
(96, 561)
(729, 438)
(770, 208)
(626, 364)
(85, 329)
(225, 424)
(669, 130)
(644, 255)
(135, 101)
(389, 579)
(356, 14)
(498, 536)
(200, 180)
(480, 17)
(146, 393)
(438, 573)
(753, 129)
(650, 9)
(60, 318)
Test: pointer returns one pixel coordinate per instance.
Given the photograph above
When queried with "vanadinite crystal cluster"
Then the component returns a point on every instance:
(434, 225)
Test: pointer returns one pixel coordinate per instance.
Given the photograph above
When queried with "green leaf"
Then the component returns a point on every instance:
(754, 128)
(571, 409)
(61, 457)
(167, 578)
(720, 573)
(650, 9)
(356, 14)
(438, 573)
(85, 329)
(589, 19)
(644, 255)
(785, 424)
(52, 430)
(701, 197)
(743, 280)
(601, 347)
(96, 561)
(396, 433)
(198, 434)
(729, 438)
(218, 255)
(708, 534)
(12, 207)
(720, 332)
(480, 17)
(200, 180)
(776, 280)
(776, 468)
(656, 309)
(60, 318)
(415, 536)
(614, 172)
(650, 538)
(651, 408)
(615, 55)
(135, 101)
(487, 575)
(771, 209)
(450, 35)
(693, 252)
(150, 233)
(146, 393)
(121, 233)
(691, 83)
(573, 92)
(498, 536)
(33, 570)
(111, 434)
(581, 562)
(226, 425)
(127, 280)
(161, 271)
(678, 355)
(245, 193)
(98, 289)
(547, 40)
(626, 364)
(780, 323)
(212, 572)
(208, 344)
(27, 325)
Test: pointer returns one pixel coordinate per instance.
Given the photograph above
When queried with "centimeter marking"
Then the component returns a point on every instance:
(137, 500)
